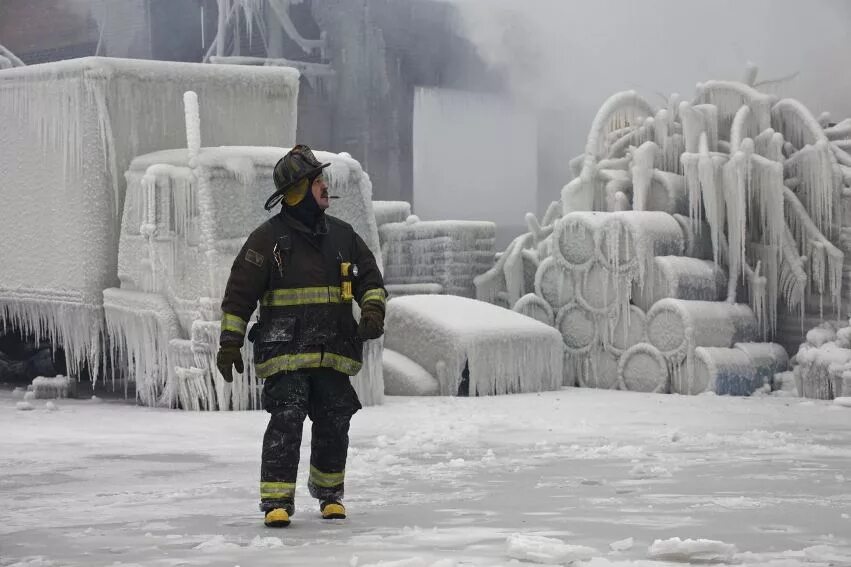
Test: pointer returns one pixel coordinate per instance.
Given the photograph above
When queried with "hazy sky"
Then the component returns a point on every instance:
(574, 53)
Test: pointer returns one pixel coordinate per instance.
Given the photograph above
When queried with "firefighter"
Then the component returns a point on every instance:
(305, 268)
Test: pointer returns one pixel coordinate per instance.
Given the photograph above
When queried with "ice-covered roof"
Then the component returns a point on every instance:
(276, 78)
(469, 318)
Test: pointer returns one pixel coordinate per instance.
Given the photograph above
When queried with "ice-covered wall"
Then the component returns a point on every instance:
(70, 130)
(448, 253)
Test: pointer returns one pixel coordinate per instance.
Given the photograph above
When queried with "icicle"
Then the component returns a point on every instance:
(739, 128)
(793, 278)
(643, 158)
(735, 191)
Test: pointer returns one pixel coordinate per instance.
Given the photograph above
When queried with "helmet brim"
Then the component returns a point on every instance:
(279, 192)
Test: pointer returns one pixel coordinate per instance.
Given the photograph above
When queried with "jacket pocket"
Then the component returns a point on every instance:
(280, 330)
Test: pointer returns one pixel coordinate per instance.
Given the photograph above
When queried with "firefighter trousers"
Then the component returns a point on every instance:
(328, 398)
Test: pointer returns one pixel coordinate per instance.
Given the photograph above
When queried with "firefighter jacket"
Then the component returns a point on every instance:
(305, 282)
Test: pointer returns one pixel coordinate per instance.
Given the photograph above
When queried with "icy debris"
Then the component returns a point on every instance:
(540, 549)
(692, 550)
(57, 387)
(821, 335)
(645, 471)
(622, 544)
(216, 544)
(268, 542)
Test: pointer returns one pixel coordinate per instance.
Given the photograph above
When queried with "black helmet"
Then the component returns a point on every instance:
(293, 175)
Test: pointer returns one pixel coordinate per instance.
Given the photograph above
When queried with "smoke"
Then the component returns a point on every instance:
(571, 55)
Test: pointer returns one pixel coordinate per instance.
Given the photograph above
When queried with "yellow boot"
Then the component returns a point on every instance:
(277, 518)
(333, 510)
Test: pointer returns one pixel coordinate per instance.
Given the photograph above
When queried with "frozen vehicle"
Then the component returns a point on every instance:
(472, 348)
(182, 228)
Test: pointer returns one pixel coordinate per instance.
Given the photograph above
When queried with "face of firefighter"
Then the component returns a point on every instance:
(320, 192)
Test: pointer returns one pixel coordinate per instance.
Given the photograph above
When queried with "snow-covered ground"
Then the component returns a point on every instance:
(577, 474)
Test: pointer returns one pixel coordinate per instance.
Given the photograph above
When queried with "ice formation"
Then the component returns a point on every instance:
(447, 253)
(404, 377)
(67, 138)
(822, 365)
(187, 214)
(473, 347)
(708, 214)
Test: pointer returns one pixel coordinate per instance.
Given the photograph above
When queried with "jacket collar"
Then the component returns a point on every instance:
(320, 229)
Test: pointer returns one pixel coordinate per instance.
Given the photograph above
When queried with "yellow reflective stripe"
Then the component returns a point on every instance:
(326, 480)
(233, 324)
(301, 296)
(374, 295)
(340, 363)
(277, 490)
(288, 363)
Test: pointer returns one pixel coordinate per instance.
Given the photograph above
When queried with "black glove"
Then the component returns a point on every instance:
(228, 356)
(371, 324)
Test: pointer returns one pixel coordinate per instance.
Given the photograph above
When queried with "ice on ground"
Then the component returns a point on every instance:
(622, 544)
(692, 550)
(540, 549)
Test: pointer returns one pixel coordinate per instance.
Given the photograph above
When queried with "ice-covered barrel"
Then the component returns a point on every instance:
(724, 371)
(768, 359)
(600, 370)
(630, 329)
(642, 368)
(675, 324)
(600, 290)
(535, 307)
(578, 328)
(681, 277)
(554, 283)
(630, 240)
(576, 236)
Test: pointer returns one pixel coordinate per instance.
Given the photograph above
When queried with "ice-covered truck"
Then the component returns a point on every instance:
(186, 216)
(68, 133)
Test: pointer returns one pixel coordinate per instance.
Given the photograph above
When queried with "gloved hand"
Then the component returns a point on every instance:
(228, 356)
(371, 324)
